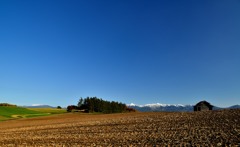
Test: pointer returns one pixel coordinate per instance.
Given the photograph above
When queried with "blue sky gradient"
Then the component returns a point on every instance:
(170, 51)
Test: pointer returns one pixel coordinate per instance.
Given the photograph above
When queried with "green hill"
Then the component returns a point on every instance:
(13, 112)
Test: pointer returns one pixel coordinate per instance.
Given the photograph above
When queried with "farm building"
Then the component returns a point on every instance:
(203, 106)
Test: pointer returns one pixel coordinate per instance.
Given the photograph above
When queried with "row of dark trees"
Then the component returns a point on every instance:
(94, 104)
(6, 104)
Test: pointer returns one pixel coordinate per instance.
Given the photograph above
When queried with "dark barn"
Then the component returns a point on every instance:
(203, 106)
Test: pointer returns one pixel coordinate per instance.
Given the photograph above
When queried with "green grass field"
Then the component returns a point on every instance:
(7, 112)
(49, 110)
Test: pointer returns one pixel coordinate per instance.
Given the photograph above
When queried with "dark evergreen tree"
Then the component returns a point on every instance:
(80, 102)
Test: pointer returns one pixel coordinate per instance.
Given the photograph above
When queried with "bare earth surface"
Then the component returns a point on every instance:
(213, 128)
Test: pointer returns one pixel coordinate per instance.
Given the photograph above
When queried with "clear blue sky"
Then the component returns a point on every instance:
(131, 51)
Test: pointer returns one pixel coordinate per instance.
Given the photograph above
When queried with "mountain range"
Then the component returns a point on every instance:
(158, 107)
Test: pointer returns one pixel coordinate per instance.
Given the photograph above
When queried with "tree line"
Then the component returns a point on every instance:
(6, 104)
(94, 104)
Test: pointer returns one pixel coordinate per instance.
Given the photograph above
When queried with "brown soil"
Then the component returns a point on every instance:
(212, 128)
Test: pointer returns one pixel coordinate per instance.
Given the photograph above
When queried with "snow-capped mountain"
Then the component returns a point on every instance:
(158, 107)
(162, 107)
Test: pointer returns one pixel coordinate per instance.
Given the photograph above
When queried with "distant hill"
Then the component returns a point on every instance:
(234, 107)
(170, 107)
(231, 107)
(39, 106)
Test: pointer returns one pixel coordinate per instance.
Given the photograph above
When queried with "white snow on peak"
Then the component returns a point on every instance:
(180, 105)
(132, 104)
(37, 104)
(154, 105)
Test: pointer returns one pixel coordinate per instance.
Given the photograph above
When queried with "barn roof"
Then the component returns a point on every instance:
(204, 102)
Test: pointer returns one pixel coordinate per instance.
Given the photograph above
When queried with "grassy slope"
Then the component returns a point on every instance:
(49, 110)
(18, 112)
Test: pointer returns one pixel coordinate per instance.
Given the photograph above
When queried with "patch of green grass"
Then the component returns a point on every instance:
(11, 112)
(49, 110)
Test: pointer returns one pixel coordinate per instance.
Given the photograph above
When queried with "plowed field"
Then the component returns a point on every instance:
(213, 128)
